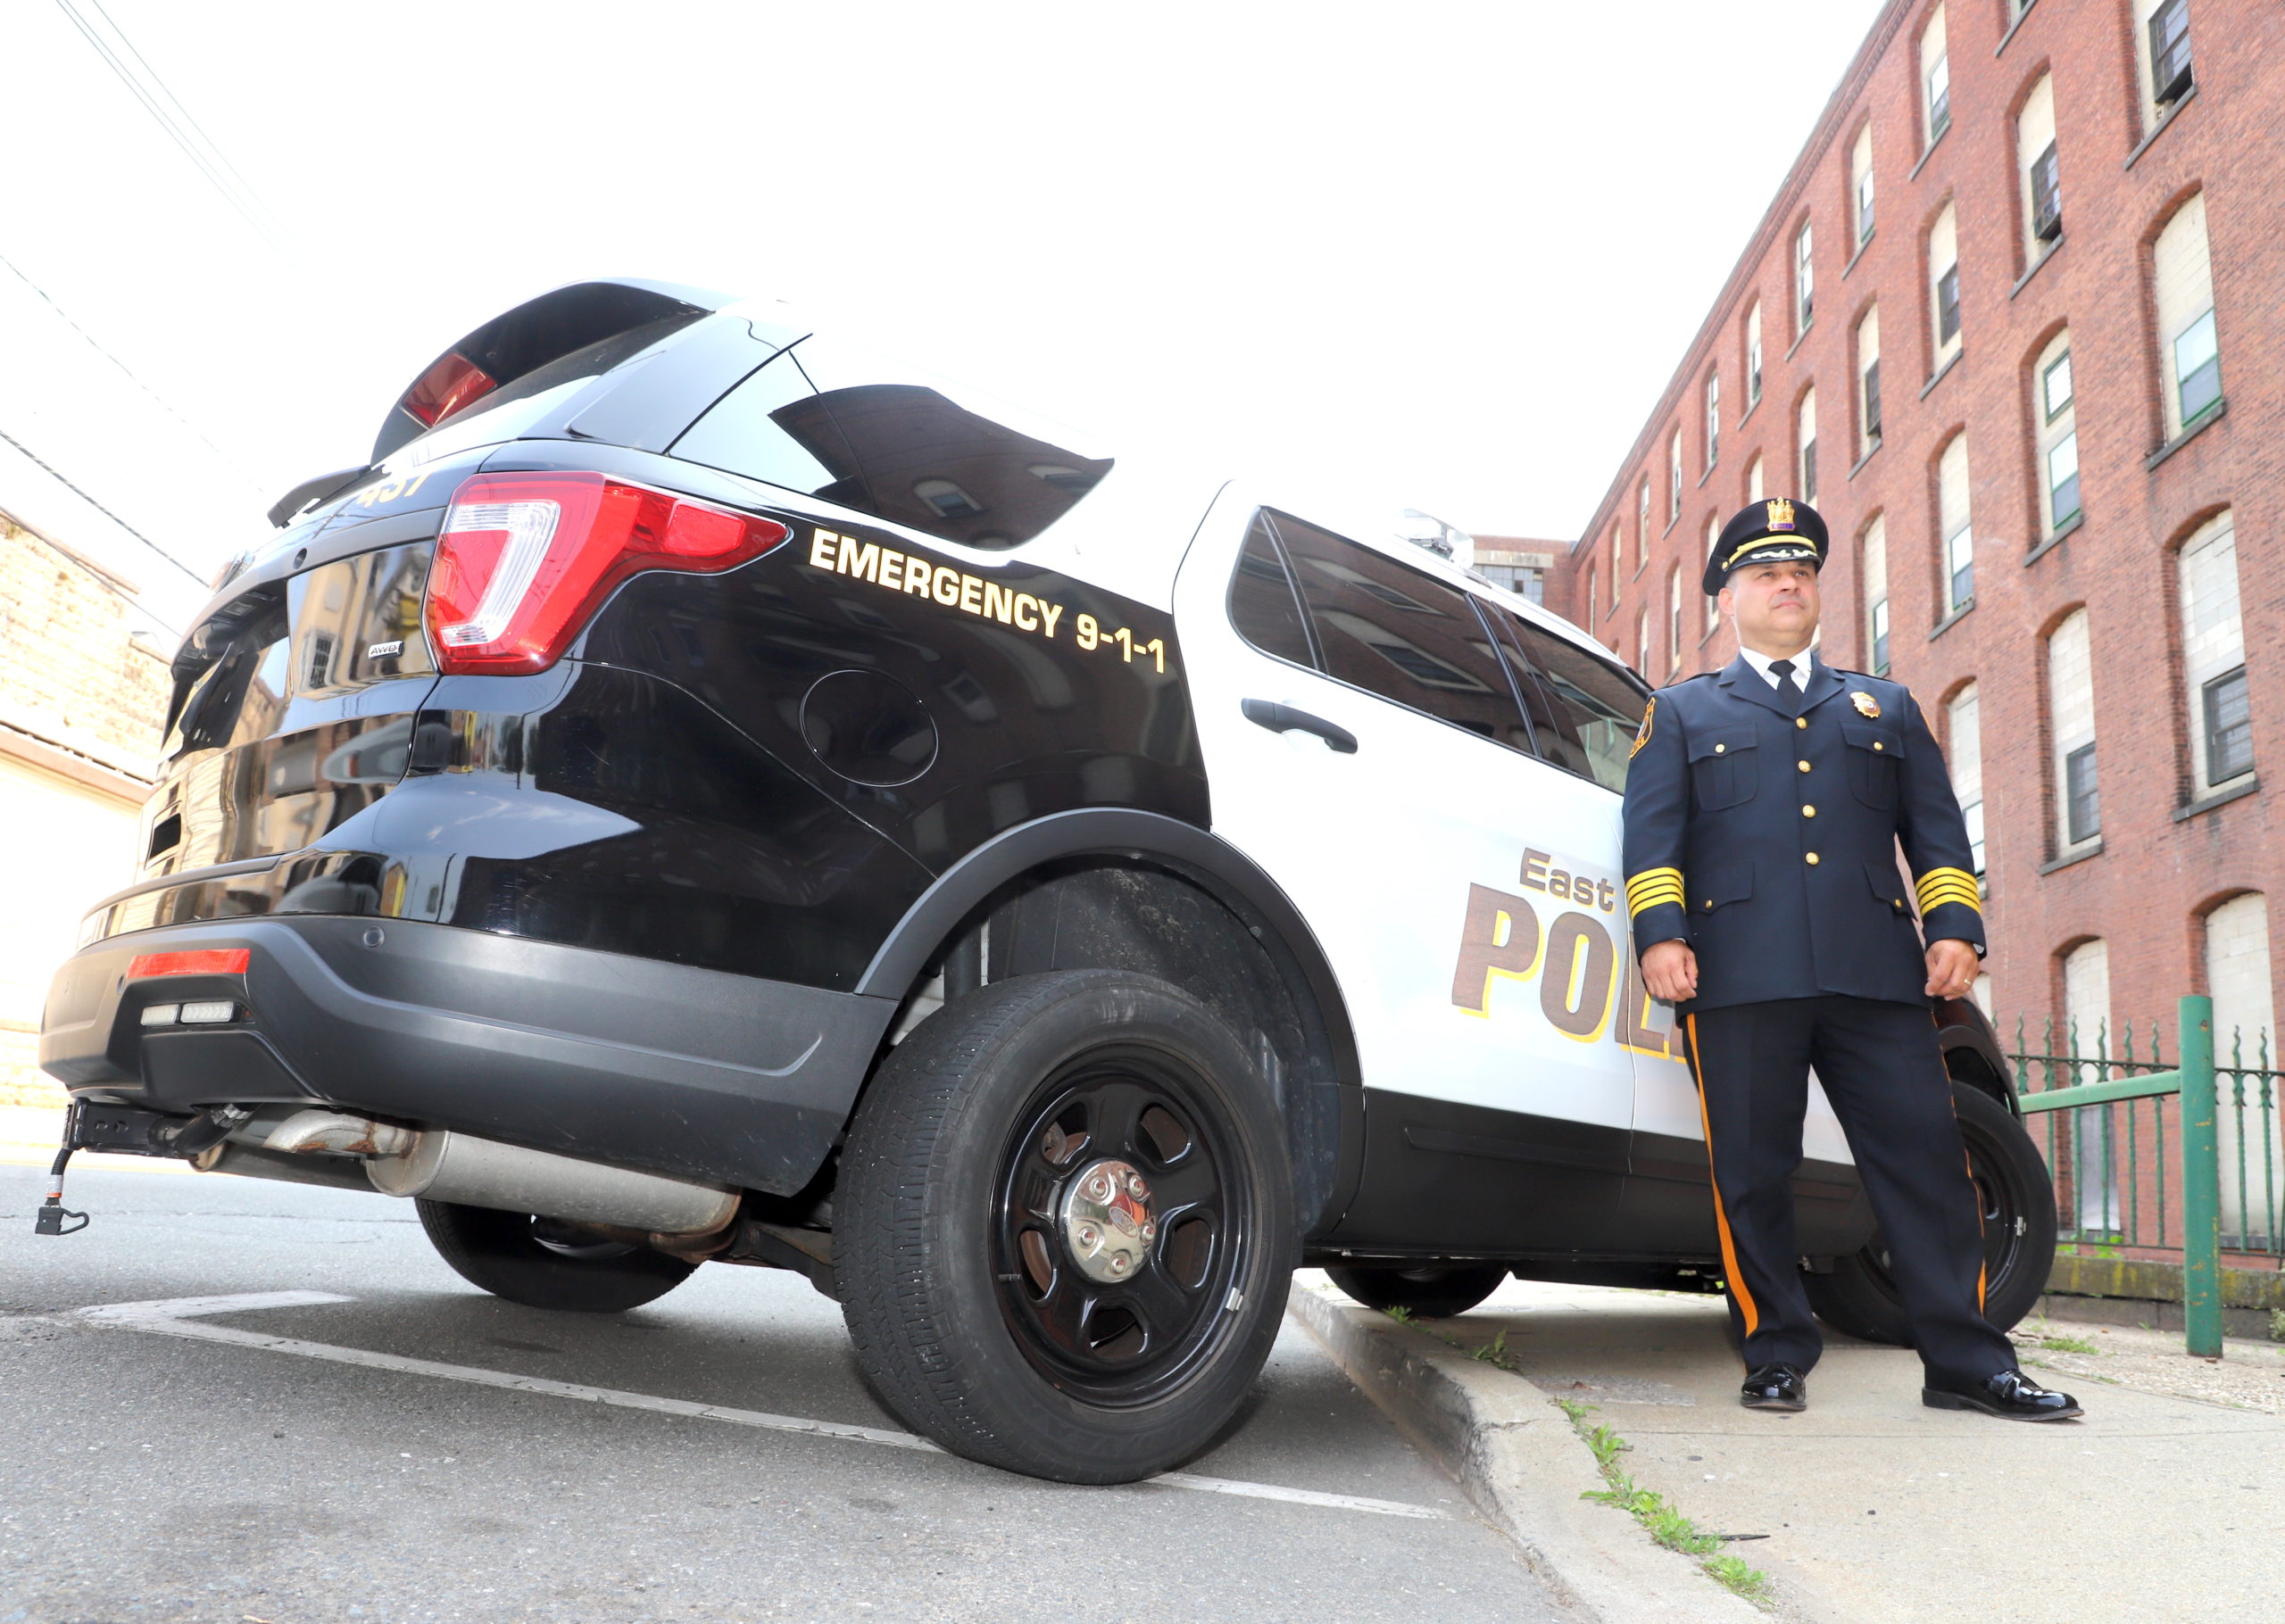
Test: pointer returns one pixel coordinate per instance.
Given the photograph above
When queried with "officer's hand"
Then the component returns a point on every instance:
(1670, 971)
(1951, 969)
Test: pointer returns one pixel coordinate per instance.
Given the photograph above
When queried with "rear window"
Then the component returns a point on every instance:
(833, 420)
(1400, 633)
(512, 408)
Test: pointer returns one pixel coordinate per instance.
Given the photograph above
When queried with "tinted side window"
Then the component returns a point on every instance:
(1262, 605)
(1400, 634)
(833, 420)
(1584, 710)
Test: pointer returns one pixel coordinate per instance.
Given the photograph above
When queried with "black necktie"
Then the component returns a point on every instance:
(1782, 670)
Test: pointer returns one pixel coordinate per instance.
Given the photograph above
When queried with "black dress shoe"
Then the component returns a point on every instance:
(2010, 1396)
(1774, 1387)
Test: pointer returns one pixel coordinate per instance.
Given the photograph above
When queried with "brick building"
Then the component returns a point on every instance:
(1519, 564)
(82, 699)
(2014, 325)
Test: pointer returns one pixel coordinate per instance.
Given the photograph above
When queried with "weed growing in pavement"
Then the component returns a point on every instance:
(2068, 1344)
(2277, 1325)
(1661, 1521)
(1664, 1523)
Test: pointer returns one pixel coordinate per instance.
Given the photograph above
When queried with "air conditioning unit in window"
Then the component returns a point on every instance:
(2170, 74)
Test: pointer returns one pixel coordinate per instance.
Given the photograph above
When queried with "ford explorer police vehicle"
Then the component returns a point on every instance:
(705, 792)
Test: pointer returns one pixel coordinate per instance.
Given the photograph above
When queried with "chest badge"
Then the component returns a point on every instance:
(1866, 705)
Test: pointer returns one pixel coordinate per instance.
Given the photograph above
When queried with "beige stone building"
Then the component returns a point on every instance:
(82, 699)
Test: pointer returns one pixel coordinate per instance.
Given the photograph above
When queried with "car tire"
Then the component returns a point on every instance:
(544, 1264)
(1433, 1292)
(973, 1182)
(2018, 1204)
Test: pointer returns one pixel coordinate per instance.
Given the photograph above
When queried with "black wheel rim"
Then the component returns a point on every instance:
(1127, 1342)
(1999, 1204)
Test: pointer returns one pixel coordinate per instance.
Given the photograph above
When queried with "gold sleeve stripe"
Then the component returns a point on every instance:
(1652, 887)
(1652, 877)
(1940, 886)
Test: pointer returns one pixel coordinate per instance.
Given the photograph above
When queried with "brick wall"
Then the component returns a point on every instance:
(2163, 863)
(80, 703)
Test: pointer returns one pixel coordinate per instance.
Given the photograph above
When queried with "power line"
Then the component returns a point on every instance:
(210, 161)
(52, 472)
(161, 402)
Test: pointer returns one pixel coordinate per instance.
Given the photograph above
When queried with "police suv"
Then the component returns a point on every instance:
(705, 792)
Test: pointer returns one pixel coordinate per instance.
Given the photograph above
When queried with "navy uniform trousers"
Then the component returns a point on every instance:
(1881, 1067)
(1763, 827)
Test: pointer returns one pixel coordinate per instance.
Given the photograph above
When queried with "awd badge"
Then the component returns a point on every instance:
(1866, 705)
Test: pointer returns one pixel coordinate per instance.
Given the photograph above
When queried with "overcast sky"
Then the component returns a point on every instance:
(1449, 253)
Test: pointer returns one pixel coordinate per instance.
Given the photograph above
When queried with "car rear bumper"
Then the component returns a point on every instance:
(684, 1069)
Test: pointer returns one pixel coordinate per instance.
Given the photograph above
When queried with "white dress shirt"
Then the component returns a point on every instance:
(1761, 663)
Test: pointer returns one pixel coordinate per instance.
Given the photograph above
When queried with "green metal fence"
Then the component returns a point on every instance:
(2181, 1159)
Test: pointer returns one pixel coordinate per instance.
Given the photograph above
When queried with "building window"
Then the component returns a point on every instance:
(2041, 198)
(1643, 521)
(1944, 285)
(1876, 596)
(1673, 619)
(2083, 802)
(1966, 754)
(1673, 478)
(1591, 597)
(1860, 183)
(1713, 419)
(1806, 438)
(2190, 359)
(2058, 439)
(2071, 701)
(1618, 563)
(1954, 529)
(1805, 282)
(1714, 600)
(2170, 71)
(1868, 383)
(1753, 356)
(1936, 77)
(2214, 655)
(1642, 639)
(1755, 489)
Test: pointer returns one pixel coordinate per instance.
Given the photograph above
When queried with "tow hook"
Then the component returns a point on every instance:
(49, 1219)
(135, 1132)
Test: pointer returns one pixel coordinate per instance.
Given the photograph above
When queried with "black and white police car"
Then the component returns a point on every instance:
(706, 793)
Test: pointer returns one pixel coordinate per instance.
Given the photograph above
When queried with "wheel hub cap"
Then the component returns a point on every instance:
(1107, 1223)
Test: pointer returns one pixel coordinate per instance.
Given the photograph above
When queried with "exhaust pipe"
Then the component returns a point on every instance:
(444, 1165)
(447, 1166)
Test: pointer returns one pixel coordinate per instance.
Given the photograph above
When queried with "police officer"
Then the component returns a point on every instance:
(1764, 803)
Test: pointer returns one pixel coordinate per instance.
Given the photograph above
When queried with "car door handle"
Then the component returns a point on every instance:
(1285, 718)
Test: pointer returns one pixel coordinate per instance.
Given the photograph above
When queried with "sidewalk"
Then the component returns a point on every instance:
(2166, 1503)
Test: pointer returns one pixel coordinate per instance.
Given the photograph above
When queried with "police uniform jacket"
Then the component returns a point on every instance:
(1767, 841)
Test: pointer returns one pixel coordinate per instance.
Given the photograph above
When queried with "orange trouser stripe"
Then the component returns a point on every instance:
(1721, 1217)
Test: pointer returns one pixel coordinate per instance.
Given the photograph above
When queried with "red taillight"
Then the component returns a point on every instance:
(198, 961)
(453, 384)
(524, 559)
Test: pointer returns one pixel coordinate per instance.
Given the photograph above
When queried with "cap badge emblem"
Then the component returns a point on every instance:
(1781, 513)
(1866, 705)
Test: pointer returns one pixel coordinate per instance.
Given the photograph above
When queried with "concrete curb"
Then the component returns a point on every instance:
(1513, 1454)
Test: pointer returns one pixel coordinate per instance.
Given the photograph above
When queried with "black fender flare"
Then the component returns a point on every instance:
(1197, 855)
(1963, 1031)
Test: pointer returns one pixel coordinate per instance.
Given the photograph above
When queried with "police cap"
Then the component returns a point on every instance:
(1766, 533)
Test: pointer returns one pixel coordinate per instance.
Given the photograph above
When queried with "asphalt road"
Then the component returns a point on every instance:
(152, 1476)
